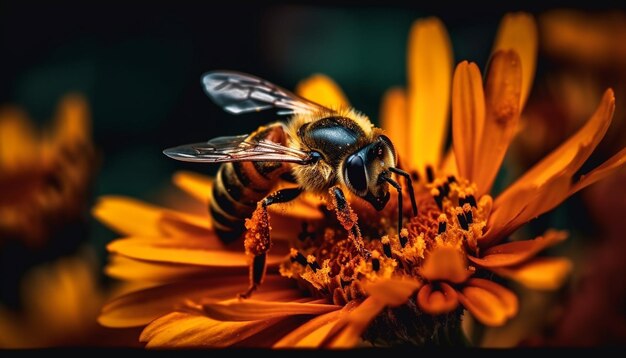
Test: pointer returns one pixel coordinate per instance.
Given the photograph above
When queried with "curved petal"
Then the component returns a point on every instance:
(446, 264)
(189, 252)
(140, 307)
(436, 302)
(429, 71)
(506, 297)
(19, 146)
(393, 119)
(197, 185)
(323, 90)
(602, 171)
(468, 116)
(186, 330)
(392, 291)
(542, 273)
(502, 97)
(312, 333)
(484, 306)
(516, 252)
(253, 309)
(518, 31)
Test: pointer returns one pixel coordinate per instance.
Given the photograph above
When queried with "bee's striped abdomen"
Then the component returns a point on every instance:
(240, 185)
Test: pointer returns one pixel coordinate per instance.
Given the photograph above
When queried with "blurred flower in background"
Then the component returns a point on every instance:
(45, 176)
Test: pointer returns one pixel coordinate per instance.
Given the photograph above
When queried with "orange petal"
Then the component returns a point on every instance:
(393, 119)
(485, 306)
(311, 334)
(437, 302)
(323, 90)
(429, 71)
(542, 273)
(570, 155)
(189, 252)
(518, 31)
(123, 268)
(513, 253)
(72, 122)
(197, 185)
(446, 264)
(448, 166)
(468, 116)
(140, 307)
(353, 324)
(392, 291)
(602, 171)
(19, 144)
(507, 298)
(253, 309)
(186, 330)
(502, 96)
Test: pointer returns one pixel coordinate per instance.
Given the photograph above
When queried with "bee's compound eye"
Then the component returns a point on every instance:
(355, 173)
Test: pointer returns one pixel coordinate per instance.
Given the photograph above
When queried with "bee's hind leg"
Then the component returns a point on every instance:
(257, 240)
(348, 219)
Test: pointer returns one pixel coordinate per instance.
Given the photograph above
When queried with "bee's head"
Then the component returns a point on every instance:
(364, 171)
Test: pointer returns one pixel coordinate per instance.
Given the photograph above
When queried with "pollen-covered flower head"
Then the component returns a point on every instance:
(410, 285)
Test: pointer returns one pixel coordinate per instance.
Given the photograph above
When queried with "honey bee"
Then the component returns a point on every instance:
(320, 150)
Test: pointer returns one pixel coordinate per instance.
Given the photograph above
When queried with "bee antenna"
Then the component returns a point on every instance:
(409, 184)
(399, 190)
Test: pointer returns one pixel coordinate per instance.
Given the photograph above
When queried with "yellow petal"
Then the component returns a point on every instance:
(513, 253)
(19, 145)
(392, 291)
(518, 31)
(436, 302)
(429, 71)
(502, 93)
(393, 119)
(189, 252)
(123, 268)
(353, 324)
(507, 298)
(570, 155)
(186, 330)
(448, 166)
(197, 185)
(484, 306)
(323, 90)
(468, 116)
(311, 334)
(253, 309)
(542, 273)
(132, 217)
(140, 307)
(446, 264)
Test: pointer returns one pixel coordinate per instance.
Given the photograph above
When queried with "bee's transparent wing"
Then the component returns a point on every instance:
(237, 149)
(238, 92)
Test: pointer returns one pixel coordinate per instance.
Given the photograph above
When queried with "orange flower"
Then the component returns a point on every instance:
(43, 178)
(320, 291)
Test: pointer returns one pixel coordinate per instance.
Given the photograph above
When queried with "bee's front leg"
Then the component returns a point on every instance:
(348, 219)
(257, 241)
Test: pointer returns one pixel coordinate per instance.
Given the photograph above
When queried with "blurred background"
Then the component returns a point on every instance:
(91, 93)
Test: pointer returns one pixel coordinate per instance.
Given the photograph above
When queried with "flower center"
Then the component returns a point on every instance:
(327, 263)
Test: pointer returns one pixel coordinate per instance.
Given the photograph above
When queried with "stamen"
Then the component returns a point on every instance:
(438, 197)
(312, 263)
(430, 173)
(404, 237)
(462, 200)
(467, 209)
(415, 175)
(296, 256)
(442, 224)
(461, 217)
(386, 245)
(375, 265)
(471, 200)
(451, 179)
(446, 188)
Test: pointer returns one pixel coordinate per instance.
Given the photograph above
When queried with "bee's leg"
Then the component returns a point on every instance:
(348, 219)
(257, 240)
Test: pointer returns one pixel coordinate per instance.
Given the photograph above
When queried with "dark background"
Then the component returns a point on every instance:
(139, 65)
